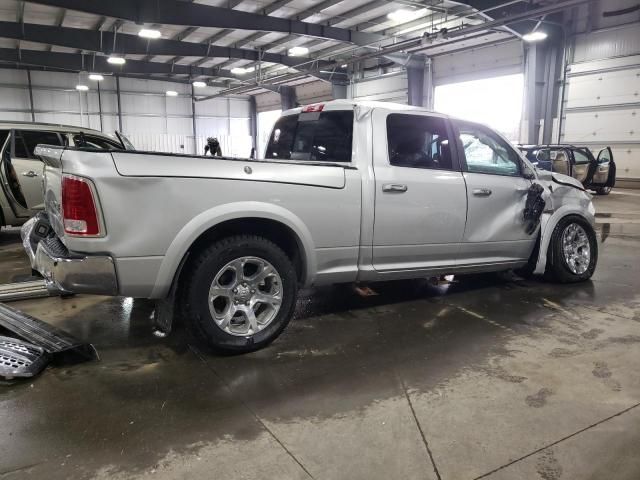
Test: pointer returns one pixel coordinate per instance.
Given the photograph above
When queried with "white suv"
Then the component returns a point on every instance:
(21, 194)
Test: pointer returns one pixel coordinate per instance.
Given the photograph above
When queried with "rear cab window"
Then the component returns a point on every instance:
(325, 136)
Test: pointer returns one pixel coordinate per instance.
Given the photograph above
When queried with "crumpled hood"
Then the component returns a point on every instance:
(549, 178)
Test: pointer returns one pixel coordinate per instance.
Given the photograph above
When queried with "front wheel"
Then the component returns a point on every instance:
(606, 190)
(573, 251)
(239, 294)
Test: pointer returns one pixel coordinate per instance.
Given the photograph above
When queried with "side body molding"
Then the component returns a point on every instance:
(222, 213)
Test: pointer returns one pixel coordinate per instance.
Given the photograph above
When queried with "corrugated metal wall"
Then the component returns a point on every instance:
(602, 99)
(151, 119)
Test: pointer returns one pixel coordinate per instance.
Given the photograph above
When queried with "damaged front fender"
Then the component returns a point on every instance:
(563, 196)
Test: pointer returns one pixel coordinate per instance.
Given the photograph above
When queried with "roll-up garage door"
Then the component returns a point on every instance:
(602, 98)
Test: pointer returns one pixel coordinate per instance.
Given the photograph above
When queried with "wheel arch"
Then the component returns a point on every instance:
(549, 223)
(273, 222)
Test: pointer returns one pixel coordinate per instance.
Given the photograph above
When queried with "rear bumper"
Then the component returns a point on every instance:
(66, 271)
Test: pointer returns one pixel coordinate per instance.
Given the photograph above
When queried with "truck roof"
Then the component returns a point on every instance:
(351, 104)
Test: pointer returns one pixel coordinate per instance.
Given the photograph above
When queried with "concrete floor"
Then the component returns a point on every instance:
(481, 378)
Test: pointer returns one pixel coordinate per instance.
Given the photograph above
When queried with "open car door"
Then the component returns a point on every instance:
(605, 176)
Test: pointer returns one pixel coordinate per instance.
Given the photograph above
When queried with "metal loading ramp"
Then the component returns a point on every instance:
(28, 345)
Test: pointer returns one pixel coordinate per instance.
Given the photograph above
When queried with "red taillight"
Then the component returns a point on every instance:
(78, 207)
(316, 107)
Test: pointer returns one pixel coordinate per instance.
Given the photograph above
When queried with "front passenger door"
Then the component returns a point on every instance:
(496, 194)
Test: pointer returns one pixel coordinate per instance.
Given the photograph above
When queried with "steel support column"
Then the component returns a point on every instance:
(100, 108)
(415, 80)
(552, 90)
(339, 91)
(33, 114)
(119, 106)
(253, 123)
(193, 121)
(288, 98)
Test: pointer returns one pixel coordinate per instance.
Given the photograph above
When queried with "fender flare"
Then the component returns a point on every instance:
(222, 213)
(548, 223)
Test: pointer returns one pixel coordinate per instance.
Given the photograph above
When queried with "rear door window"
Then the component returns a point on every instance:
(26, 141)
(418, 141)
(313, 136)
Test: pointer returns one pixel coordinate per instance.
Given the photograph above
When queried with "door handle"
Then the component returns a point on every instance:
(394, 187)
(30, 174)
(482, 192)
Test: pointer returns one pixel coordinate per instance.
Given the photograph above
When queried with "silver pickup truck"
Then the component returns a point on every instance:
(347, 192)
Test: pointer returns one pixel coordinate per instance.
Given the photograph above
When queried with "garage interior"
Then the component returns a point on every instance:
(478, 376)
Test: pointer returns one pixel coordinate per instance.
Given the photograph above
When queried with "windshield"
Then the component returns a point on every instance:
(313, 136)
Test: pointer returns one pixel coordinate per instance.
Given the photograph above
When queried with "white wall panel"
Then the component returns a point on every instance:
(604, 126)
(14, 98)
(602, 98)
(152, 120)
(15, 117)
(238, 108)
(605, 88)
(216, 107)
(614, 42)
(13, 76)
(178, 105)
(477, 63)
(181, 126)
(392, 88)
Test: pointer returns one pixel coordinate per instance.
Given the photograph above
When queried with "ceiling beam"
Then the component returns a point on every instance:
(76, 62)
(128, 44)
(174, 12)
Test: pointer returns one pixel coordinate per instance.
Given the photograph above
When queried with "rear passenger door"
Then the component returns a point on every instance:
(420, 196)
(26, 169)
(496, 196)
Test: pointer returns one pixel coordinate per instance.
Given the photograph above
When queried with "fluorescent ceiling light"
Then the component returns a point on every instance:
(116, 60)
(298, 51)
(96, 76)
(172, 93)
(535, 36)
(401, 15)
(241, 70)
(148, 33)
(82, 88)
(199, 84)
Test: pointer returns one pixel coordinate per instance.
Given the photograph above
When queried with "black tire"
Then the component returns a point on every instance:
(202, 270)
(603, 190)
(558, 269)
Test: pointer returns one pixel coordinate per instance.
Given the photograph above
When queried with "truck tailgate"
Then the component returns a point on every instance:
(149, 164)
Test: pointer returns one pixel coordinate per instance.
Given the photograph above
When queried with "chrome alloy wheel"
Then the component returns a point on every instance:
(576, 248)
(245, 296)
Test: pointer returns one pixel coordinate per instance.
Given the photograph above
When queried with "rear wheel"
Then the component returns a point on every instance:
(604, 190)
(573, 251)
(239, 294)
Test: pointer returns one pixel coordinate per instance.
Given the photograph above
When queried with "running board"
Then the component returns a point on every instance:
(53, 342)
(23, 290)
